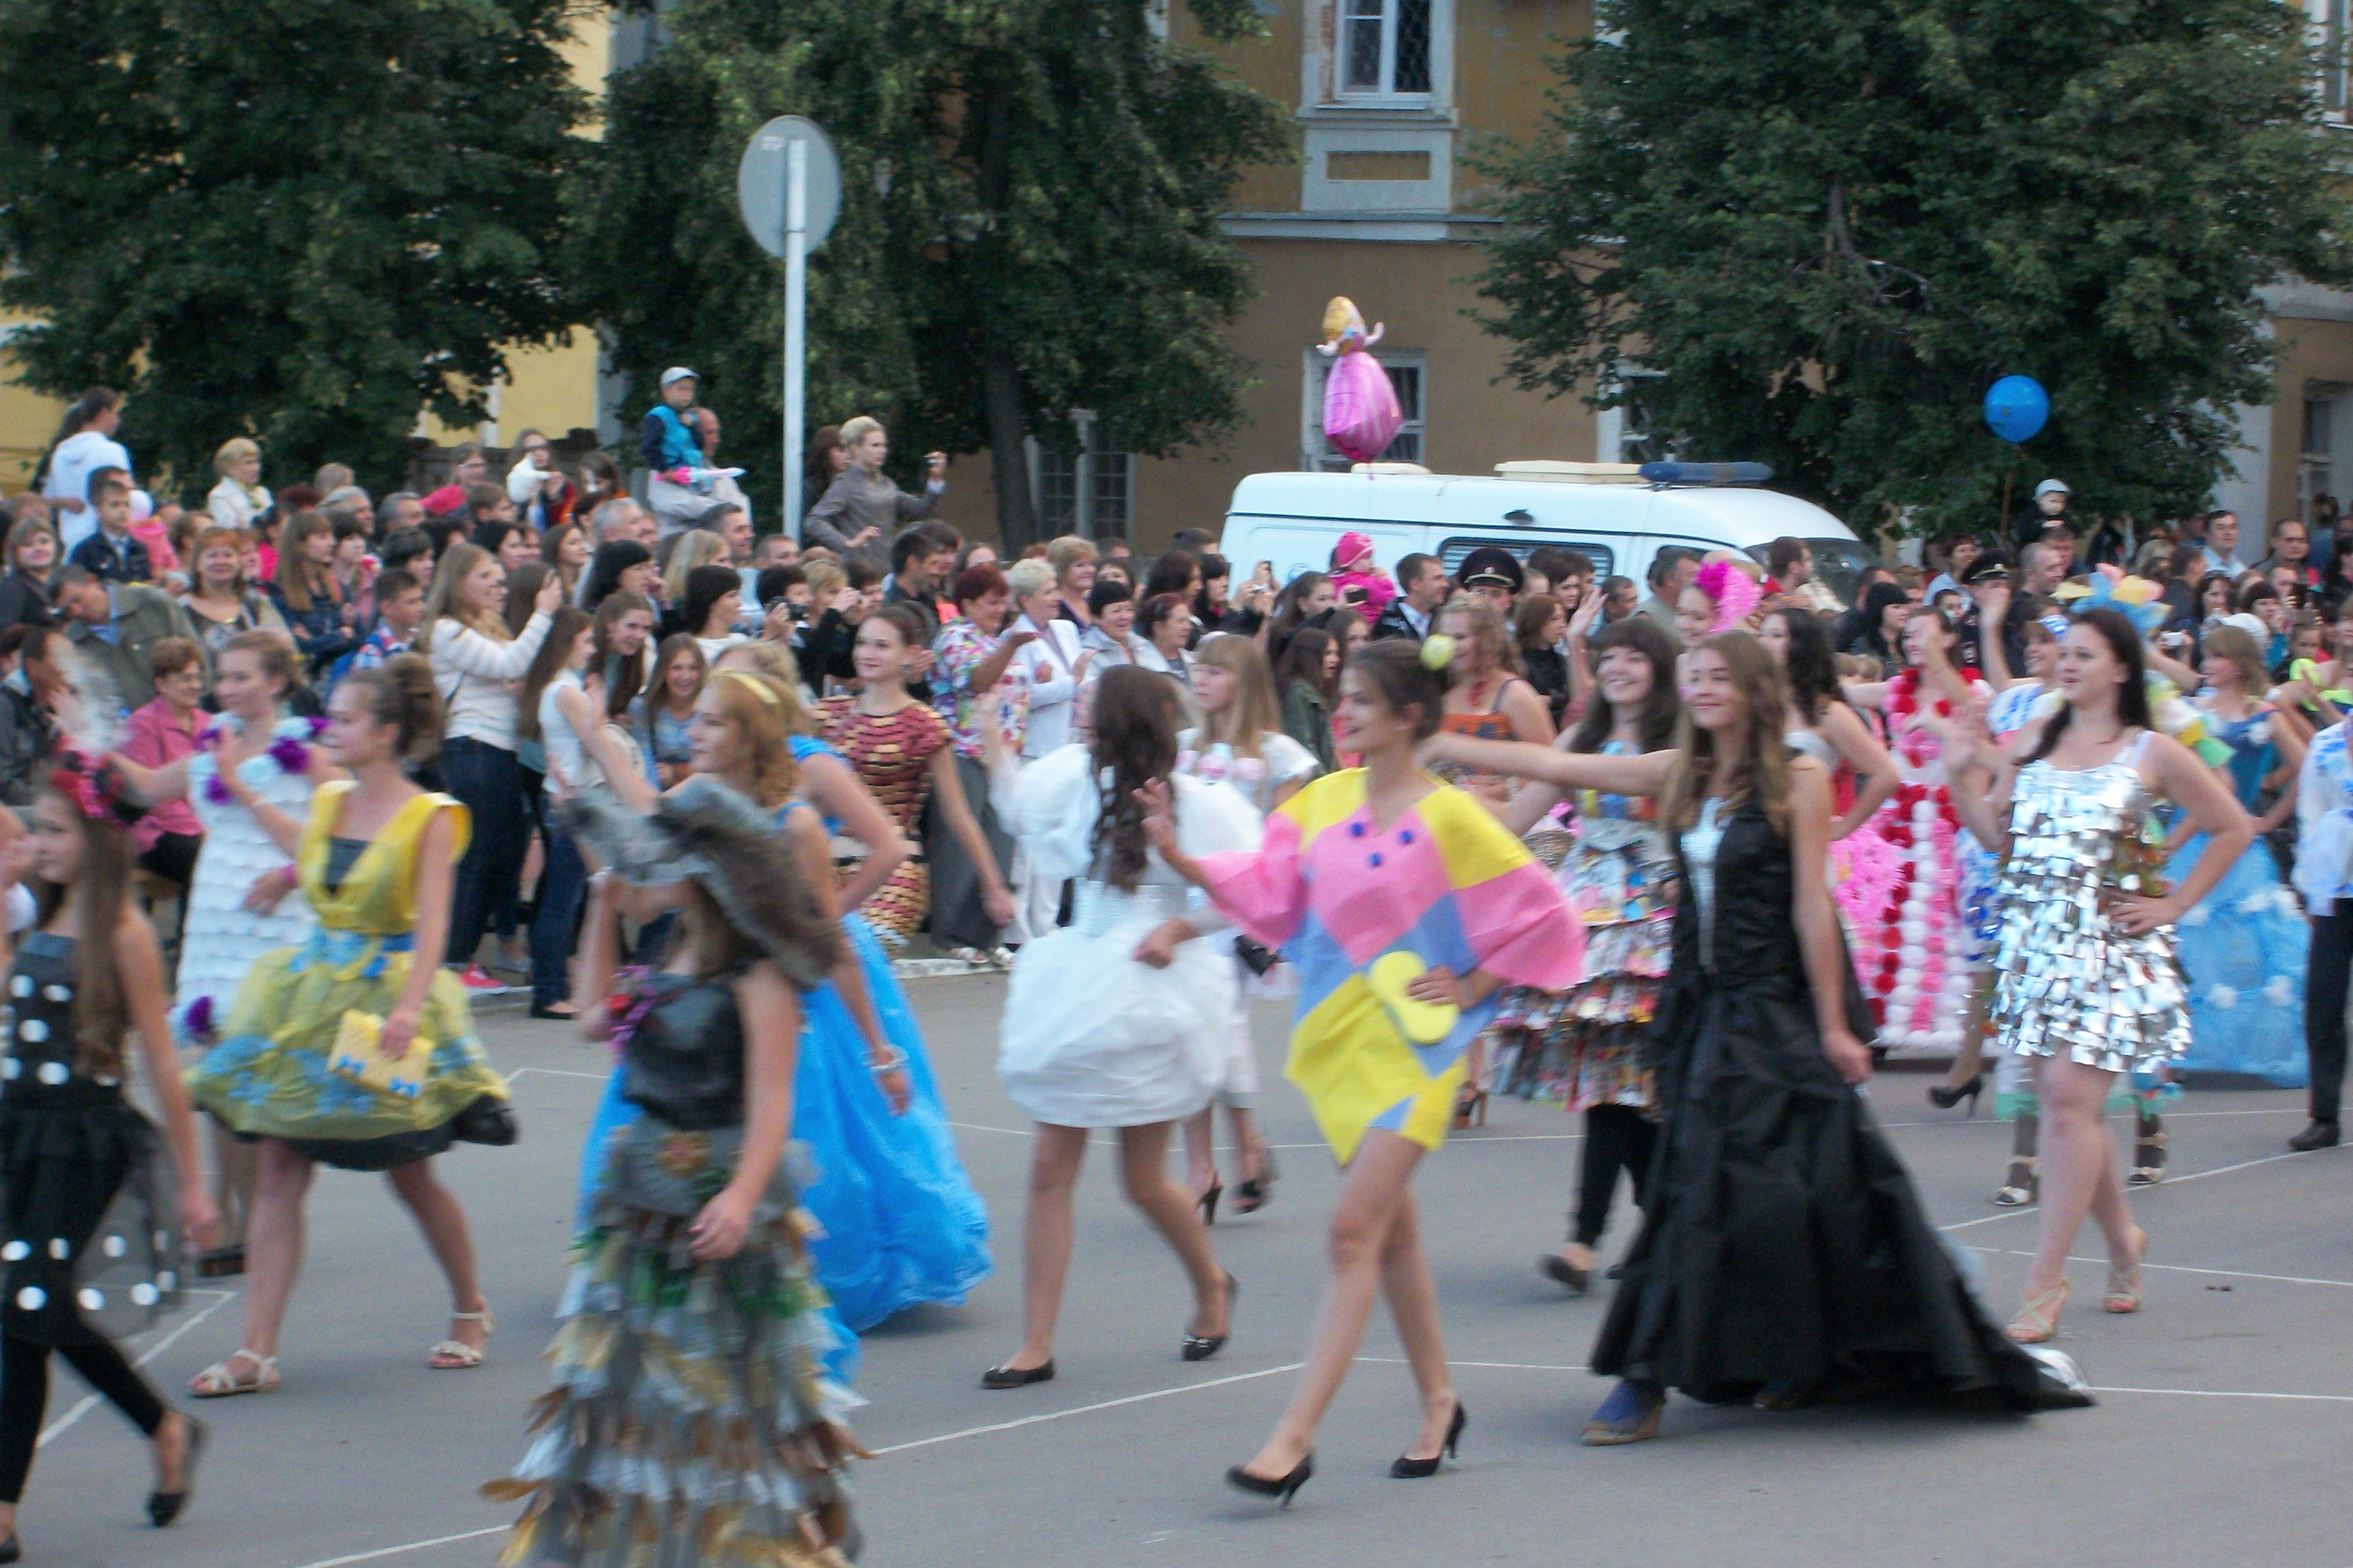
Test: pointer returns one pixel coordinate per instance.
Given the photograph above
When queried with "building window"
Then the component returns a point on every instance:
(1385, 48)
(2331, 19)
(1408, 373)
(1082, 479)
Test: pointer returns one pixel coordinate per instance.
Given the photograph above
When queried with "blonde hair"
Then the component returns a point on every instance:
(1485, 631)
(775, 662)
(441, 600)
(755, 706)
(1758, 767)
(2234, 645)
(1244, 722)
(857, 429)
(695, 547)
(1028, 575)
(235, 449)
(1067, 552)
(825, 579)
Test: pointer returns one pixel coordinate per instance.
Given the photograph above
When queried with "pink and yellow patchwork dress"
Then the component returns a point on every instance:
(1445, 885)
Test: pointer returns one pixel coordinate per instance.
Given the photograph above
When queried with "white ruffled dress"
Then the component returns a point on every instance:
(222, 937)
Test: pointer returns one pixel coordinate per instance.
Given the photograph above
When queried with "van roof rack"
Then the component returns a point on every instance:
(1553, 471)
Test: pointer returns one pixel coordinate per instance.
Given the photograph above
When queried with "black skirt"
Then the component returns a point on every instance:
(90, 1214)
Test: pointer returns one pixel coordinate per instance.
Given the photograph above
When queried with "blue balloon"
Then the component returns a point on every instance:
(2016, 409)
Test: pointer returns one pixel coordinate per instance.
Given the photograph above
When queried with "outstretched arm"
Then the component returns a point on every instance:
(1645, 775)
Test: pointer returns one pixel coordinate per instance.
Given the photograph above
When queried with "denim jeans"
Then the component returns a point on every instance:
(487, 780)
(558, 925)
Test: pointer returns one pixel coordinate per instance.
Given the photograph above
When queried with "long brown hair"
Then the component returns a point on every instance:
(623, 682)
(457, 563)
(1756, 761)
(2132, 696)
(100, 1013)
(1135, 742)
(545, 665)
(1661, 710)
(297, 578)
(1255, 712)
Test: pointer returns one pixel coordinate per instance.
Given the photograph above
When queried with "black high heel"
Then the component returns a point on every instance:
(1281, 1488)
(1256, 1191)
(1201, 1347)
(1209, 1203)
(1944, 1099)
(162, 1508)
(1406, 1469)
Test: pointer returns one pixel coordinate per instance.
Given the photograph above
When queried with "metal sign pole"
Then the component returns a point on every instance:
(796, 325)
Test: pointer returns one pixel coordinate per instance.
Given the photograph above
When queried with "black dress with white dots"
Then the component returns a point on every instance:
(89, 1228)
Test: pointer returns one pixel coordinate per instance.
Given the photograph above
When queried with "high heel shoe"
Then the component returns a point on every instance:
(1408, 1469)
(2023, 1187)
(1209, 1203)
(1631, 1414)
(1201, 1347)
(1944, 1099)
(162, 1508)
(2149, 1153)
(2037, 1320)
(1280, 1488)
(2123, 1284)
(1470, 1103)
(1256, 1191)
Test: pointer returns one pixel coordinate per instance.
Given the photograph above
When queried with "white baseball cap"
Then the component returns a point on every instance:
(679, 373)
(2047, 488)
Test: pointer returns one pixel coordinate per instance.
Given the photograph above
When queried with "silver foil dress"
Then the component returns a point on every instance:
(2068, 983)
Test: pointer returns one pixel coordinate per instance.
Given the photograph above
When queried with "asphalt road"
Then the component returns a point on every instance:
(2219, 1438)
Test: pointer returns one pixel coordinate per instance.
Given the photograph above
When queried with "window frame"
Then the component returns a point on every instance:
(1385, 93)
(1096, 464)
(1316, 455)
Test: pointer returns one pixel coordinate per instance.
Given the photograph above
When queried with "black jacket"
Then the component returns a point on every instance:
(1392, 622)
(24, 602)
(27, 733)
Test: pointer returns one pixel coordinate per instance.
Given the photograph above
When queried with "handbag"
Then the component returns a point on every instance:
(356, 1057)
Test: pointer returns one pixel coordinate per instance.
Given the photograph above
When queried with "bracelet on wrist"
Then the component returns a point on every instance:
(893, 1060)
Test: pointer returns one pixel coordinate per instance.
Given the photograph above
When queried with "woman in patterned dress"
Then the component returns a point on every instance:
(900, 748)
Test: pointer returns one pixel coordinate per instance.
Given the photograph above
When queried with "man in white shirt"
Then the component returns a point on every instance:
(90, 447)
(2222, 543)
(1422, 579)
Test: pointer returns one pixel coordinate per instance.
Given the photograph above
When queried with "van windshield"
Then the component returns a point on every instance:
(1837, 564)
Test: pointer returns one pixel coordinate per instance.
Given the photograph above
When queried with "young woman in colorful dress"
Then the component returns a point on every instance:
(1760, 1037)
(692, 1339)
(1120, 1019)
(1241, 742)
(2086, 978)
(1394, 988)
(377, 860)
(244, 900)
(900, 748)
(76, 1157)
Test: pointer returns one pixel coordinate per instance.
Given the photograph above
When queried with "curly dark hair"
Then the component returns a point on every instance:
(1663, 707)
(1135, 739)
(1812, 670)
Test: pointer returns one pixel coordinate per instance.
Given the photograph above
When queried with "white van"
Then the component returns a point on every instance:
(1603, 510)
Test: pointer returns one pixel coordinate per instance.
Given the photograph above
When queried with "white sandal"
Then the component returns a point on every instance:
(218, 1382)
(457, 1355)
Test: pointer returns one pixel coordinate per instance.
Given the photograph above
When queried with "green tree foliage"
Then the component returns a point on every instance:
(1028, 223)
(299, 220)
(1832, 224)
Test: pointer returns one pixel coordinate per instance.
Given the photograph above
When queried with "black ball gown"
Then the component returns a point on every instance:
(1783, 1243)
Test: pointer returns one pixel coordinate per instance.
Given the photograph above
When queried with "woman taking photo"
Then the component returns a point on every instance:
(2086, 974)
(1120, 1019)
(25, 588)
(1761, 1033)
(900, 748)
(306, 594)
(221, 604)
(476, 662)
(1239, 742)
(666, 709)
(374, 859)
(1385, 858)
(1308, 675)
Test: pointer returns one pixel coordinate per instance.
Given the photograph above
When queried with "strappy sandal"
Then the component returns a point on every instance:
(219, 1381)
(1469, 1104)
(2123, 1284)
(2025, 1186)
(2039, 1320)
(2148, 1157)
(457, 1355)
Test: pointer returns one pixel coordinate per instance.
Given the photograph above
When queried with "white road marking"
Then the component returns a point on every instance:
(411, 1546)
(1059, 1415)
(2185, 1268)
(90, 1400)
(560, 1072)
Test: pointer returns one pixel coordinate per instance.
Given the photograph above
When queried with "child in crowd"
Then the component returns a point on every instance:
(112, 554)
(1355, 581)
(400, 606)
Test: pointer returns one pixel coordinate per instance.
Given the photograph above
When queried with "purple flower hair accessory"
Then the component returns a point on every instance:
(291, 755)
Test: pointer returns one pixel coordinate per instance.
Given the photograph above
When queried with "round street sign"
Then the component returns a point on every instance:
(760, 182)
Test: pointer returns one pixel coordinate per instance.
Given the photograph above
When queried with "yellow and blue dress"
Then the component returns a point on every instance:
(271, 1074)
(1358, 909)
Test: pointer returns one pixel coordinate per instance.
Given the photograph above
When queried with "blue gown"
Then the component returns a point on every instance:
(2244, 944)
(901, 1223)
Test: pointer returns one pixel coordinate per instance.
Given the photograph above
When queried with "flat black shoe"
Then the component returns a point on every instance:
(162, 1508)
(538, 1012)
(1016, 1376)
(1201, 1347)
(1406, 1469)
(1555, 1267)
(1281, 1488)
(2319, 1135)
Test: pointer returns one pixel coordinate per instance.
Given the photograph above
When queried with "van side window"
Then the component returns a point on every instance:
(1603, 556)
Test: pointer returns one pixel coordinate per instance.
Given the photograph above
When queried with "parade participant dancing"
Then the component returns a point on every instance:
(1241, 742)
(244, 900)
(2086, 974)
(1405, 907)
(76, 1159)
(1124, 1017)
(1784, 1251)
(690, 1421)
(292, 1069)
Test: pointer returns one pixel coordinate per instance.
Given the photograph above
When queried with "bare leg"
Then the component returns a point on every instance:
(1356, 1243)
(2079, 1171)
(1054, 1160)
(1413, 1307)
(273, 1247)
(1143, 1172)
(1971, 1059)
(1201, 1151)
(235, 1167)
(443, 1222)
(1249, 1139)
